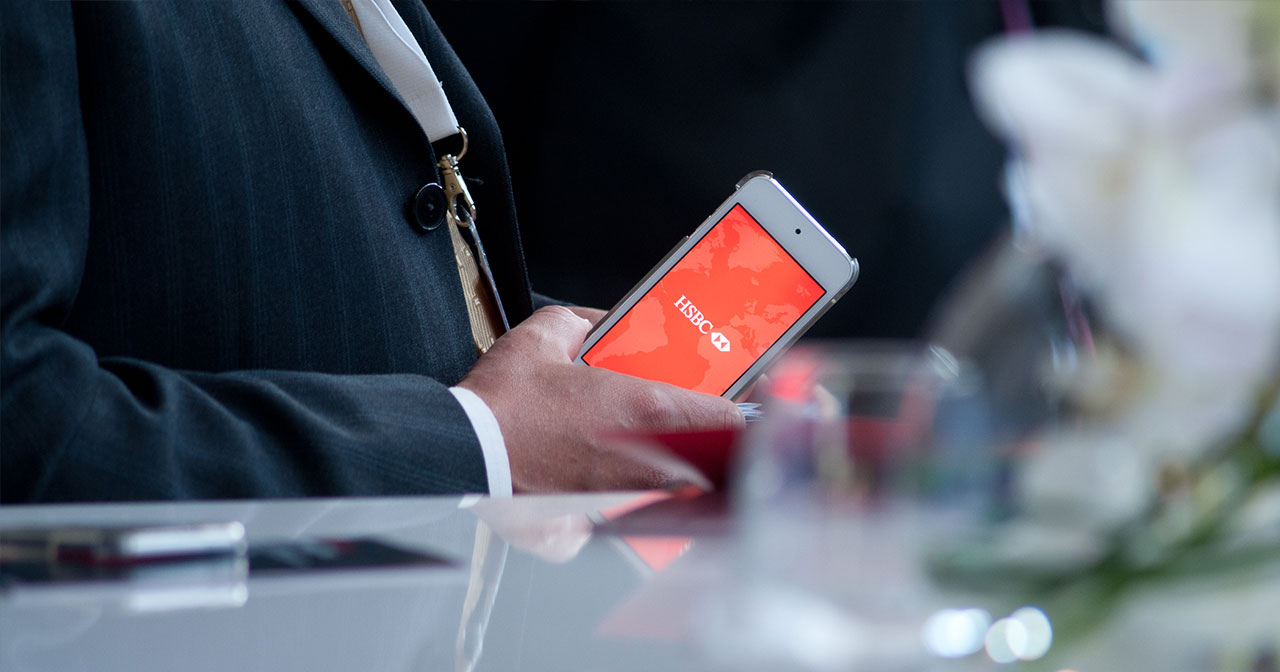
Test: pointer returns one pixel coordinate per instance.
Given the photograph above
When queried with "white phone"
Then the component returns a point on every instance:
(729, 298)
(122, 546)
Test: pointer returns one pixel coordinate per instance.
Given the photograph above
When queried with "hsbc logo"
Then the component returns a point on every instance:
(701, 323)
(686, 308)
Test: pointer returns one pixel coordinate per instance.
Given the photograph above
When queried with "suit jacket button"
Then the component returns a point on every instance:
(427, 208)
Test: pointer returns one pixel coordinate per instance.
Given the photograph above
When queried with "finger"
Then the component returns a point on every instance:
(559, 330)
(592, 315)
(679, 409)
(709, 412)
(628, 465)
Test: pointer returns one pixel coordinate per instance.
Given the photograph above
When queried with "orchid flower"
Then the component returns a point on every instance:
(1156, 179)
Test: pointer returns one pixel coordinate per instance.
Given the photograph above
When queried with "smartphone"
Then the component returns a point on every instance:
(729, 298)
(122, 545)
(207, 574)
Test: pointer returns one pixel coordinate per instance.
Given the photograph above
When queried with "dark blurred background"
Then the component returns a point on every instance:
(626, 124)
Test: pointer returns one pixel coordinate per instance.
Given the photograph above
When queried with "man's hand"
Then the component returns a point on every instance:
(552, 411)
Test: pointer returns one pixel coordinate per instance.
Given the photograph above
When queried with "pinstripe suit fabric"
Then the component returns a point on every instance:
(211, 286)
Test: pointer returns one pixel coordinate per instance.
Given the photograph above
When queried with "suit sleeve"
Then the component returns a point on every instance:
(76, 426)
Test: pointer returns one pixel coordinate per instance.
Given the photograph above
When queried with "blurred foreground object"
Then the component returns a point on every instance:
(1157, 183)
(1084, 471)
(1136, 309)
(868, 455)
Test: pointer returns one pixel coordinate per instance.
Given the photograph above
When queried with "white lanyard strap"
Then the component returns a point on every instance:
(401, 58)
(398, 52)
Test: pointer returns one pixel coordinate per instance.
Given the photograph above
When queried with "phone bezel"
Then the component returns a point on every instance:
(824, 259)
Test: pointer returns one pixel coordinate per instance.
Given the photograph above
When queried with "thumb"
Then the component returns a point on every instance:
(558, 329)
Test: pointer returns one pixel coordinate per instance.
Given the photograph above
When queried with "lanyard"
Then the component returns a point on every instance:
(488, 319)
(402, 59)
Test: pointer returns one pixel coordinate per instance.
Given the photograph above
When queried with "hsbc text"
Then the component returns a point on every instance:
(695, 316)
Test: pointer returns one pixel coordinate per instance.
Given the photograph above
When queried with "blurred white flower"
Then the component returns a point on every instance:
(1158, 182)
(1117, 481)
(1207, 43)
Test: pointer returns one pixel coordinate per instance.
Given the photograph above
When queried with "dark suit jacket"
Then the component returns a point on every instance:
(211, 284)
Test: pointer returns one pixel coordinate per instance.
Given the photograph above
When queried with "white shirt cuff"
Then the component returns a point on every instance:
(496, 463)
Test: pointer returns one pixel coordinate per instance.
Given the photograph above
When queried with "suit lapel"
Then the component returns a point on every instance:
(334, 20)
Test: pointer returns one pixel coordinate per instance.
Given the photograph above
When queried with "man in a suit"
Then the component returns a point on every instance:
(219, 279)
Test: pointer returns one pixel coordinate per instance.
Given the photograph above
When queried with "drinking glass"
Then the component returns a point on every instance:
(870, 458)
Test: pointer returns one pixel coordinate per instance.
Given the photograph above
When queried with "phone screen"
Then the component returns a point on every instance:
(714, 313)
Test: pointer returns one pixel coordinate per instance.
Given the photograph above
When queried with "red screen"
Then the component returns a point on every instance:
(714, 313)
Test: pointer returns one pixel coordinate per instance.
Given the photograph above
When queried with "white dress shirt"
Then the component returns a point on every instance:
(402, 59)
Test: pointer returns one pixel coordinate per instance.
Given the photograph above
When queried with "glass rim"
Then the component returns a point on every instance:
(881, 362)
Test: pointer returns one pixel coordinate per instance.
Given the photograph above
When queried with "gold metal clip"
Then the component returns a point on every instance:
(461, 212)
(461, 205)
